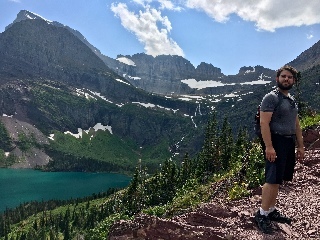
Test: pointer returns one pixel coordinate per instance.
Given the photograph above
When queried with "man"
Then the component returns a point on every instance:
(280, 129)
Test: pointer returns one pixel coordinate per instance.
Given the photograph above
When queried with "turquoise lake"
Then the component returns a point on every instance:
(25, 185)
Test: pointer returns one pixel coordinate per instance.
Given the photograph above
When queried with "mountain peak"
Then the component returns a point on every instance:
(25, 15)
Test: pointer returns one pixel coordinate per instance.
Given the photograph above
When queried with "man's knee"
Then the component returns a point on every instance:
(271, 185)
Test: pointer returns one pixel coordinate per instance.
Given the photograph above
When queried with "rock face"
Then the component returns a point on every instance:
(27, 15)
(223, 219)
(311, 137)
(164, 74)
(33, 157)
(161, 74)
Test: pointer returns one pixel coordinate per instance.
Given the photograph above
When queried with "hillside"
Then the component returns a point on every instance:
(221, 218)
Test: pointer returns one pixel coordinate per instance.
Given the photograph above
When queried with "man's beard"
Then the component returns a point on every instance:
(284, 87)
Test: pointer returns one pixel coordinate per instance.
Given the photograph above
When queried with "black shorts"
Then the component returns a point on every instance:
(282, 168)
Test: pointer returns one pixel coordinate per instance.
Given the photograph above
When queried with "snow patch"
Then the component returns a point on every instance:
(126, 61)
(151, 105)
(249, 71)
(37, 16)
(134, 78)
(231, 95)
(96, 127)
(262, 82)
(119, 80)
(193, 83)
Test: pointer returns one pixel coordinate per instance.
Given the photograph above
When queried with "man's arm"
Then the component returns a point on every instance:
(265, 118)
(300, 146)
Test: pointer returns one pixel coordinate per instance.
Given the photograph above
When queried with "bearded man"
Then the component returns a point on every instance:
(280, 129)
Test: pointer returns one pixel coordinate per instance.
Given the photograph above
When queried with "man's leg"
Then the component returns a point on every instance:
(269, 195)
(269, 198)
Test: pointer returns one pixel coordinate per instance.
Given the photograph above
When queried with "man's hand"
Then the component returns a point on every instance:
(300, 154)
(271, 154)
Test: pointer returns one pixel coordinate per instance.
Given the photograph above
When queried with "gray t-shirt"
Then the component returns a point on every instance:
(283, 119)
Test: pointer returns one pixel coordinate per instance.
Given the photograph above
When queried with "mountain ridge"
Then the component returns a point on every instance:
(147, 72)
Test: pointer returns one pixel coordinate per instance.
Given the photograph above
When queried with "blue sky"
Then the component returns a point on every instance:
(228, 34)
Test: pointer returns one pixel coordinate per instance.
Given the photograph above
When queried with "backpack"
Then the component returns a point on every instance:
(257, 128)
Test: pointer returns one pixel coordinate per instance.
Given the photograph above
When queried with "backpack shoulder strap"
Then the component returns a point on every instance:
(280, 98)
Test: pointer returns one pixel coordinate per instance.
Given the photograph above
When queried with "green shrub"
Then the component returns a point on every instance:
(310, 121)
(158, 211)
(239, 190)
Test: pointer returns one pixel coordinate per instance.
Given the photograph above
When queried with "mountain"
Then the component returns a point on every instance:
(25, 15)
(166, 74)
(52, 80)
(308, 59)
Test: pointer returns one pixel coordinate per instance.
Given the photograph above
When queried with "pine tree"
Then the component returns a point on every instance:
(186, 170)
(226, 145)
(241, 143)
(208, 160)
(168, 179)
(136, 197)
(35, 225)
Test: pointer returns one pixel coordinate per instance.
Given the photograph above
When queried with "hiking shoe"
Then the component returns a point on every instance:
(277, 217)
(263, 223)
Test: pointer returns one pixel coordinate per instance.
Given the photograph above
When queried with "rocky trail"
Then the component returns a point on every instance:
(299, 199)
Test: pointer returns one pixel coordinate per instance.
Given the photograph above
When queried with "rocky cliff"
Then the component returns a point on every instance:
(164, 74)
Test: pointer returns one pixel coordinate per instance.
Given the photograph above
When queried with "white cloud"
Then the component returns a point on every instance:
(142, 2)
(151, 28)
(166, 4)
(16, 1)
(268, 15)
(309, 36)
